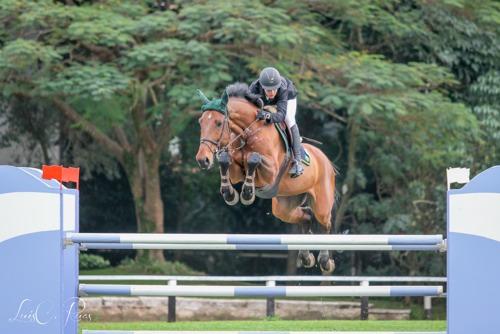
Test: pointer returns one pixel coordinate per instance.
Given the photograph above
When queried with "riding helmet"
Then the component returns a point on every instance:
(270, 78)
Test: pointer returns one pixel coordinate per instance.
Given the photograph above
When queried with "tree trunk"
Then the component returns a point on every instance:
(350, 179)
(144, 177)
(141, 163)
(62, 141)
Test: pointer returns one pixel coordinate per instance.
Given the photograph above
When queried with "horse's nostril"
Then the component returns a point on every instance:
(203, 163)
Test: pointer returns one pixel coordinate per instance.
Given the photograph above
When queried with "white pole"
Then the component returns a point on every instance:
(171, 303)
(259, 291)
(268, 247)
(364, 303)
(256, 239)
(428, 307)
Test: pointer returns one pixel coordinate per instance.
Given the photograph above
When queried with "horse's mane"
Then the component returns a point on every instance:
(240, 89)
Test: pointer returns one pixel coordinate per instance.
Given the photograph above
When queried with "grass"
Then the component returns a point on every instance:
(275, 325)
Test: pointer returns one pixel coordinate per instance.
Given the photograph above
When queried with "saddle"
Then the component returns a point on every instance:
(286, 137)
(271, 190)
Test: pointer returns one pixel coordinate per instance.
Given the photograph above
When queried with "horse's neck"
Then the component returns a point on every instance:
(264, 138)
(241, 112)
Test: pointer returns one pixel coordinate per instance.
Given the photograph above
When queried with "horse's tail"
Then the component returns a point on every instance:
(336, 198)
(331, 173)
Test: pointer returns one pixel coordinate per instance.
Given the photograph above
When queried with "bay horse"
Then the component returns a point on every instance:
(251, 151)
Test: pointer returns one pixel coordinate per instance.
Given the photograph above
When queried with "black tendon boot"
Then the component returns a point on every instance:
(297, 169)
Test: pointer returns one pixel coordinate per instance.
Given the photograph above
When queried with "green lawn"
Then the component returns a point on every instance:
(275, 325)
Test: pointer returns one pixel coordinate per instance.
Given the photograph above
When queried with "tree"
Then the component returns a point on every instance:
(32, 127)
(386, 83)
(125, 73)
(120, 72)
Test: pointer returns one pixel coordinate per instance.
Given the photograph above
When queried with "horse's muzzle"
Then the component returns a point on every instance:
(204, 163)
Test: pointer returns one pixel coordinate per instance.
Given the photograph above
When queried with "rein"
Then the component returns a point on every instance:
(217, 144)
(245, 131)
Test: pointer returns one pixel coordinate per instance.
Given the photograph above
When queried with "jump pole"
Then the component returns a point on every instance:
(263, 247)
(254, 239)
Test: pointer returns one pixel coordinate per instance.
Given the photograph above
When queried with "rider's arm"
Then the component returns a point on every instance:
(281, 106)
(254, 87)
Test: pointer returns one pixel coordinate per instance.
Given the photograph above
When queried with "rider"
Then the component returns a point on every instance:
(275, 89)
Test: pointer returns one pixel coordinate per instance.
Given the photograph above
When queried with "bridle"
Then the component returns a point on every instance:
(217, 144)
(225, 125)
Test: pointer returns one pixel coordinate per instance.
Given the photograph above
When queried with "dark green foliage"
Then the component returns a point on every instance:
(92, 261)
(155, 268)
(397, 90)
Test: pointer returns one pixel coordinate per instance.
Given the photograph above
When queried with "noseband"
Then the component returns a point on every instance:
(217, 144)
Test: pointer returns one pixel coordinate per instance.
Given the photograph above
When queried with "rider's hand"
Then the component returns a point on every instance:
(262, 114)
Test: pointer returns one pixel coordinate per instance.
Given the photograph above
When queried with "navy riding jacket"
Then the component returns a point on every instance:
(286, 91)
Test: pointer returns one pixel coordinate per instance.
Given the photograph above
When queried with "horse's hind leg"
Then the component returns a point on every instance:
(326, 263)
(229, 194)
(322, 205)
(248, 190)
(288, 209)
(305, 258)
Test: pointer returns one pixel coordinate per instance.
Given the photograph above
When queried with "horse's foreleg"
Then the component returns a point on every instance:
(230, 195)
(248, 190)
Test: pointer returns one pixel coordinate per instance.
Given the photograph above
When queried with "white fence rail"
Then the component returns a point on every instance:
(271, 281)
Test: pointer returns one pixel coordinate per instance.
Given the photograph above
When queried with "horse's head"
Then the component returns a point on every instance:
(214, 133)
(214, 130)
(217, 123)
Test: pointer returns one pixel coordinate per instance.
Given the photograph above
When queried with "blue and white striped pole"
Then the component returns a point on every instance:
(255, 239)
(243, 332)
(264, 291)
(264, 247)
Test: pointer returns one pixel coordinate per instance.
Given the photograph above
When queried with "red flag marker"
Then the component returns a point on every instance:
(62, 174)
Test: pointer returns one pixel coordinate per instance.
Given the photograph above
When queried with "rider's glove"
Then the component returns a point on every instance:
(264, 115)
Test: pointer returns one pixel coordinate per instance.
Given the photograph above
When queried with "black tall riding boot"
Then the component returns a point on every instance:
(297, 169)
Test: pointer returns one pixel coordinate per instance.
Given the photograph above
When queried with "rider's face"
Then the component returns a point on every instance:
(271, 93)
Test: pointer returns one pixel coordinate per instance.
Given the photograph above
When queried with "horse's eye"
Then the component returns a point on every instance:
(218, 124)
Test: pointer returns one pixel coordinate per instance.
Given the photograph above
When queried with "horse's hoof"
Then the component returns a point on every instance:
(247, 202)
(230, 199)
(307, 262)
(231, 196)
(326, 265)
(298, 262)
(310, 262)
(247, 195)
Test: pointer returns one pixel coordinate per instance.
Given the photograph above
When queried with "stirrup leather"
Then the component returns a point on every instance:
(297, 169)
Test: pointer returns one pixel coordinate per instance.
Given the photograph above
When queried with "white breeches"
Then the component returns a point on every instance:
(291, 109)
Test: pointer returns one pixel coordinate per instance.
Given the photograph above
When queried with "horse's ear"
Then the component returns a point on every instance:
(224, 98)
(203, 97)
